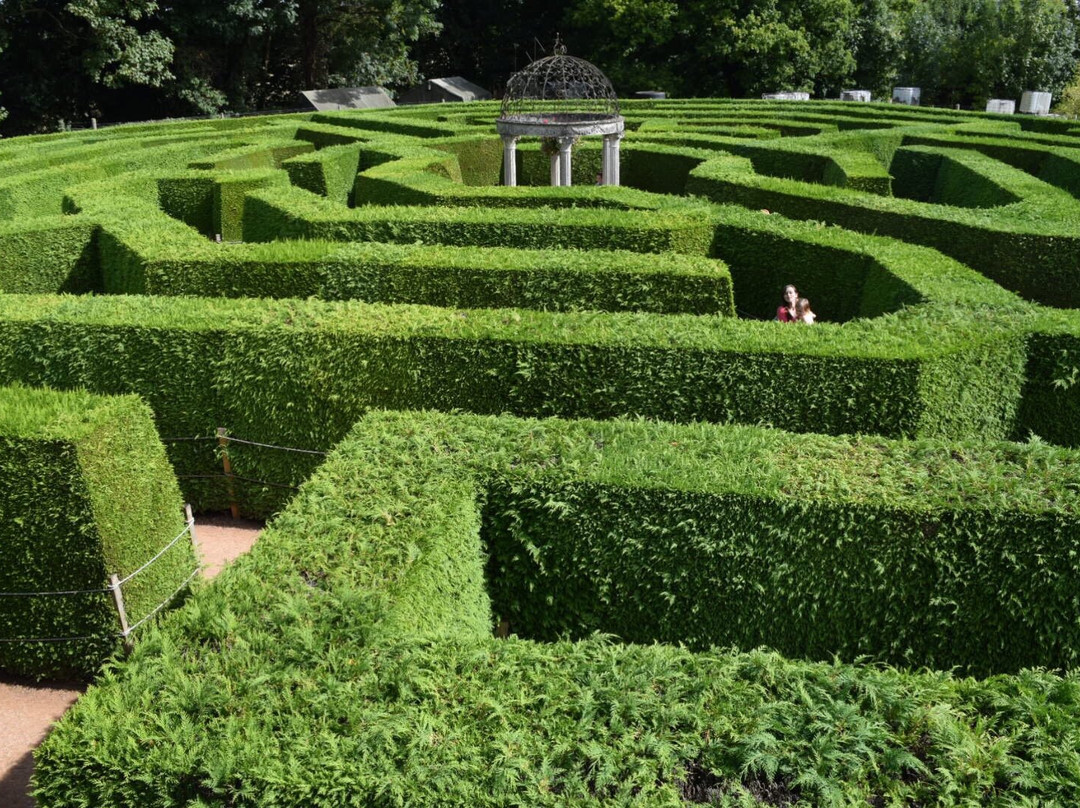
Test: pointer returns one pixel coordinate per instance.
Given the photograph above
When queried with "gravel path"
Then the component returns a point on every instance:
(28, 709)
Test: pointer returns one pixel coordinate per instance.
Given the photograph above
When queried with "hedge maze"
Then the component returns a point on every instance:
(575, 474)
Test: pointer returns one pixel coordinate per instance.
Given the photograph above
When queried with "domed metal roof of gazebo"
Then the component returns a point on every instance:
(560, 99)
(560, 92)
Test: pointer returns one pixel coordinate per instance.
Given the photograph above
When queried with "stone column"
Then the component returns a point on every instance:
(565, 144)
(509, 159)
(556, 169)
(612, 175)
(605, 162)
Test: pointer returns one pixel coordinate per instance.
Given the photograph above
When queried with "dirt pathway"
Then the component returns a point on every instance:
(28, 709)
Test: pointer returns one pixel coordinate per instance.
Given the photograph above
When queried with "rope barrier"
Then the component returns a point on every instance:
(106, 590)
(161, 605)
(120, 635)
(231, 439)
(161, 552)
(235, 477)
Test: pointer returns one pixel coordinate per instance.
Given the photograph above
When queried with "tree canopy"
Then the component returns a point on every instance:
(64, 61)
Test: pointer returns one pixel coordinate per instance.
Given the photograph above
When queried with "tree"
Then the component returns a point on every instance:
(965, 51)
(726, 48)
(227, 53)
(65, 60)
(252, 54)
(135, 59)
(878, 34)
(1040, 47)
(487, 41)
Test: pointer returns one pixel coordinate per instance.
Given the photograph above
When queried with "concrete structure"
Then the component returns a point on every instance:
(1002, 106)
(1035, 103)
(906, 95)
(855, 95)
(797, 96)
(444, 90)
(348, 98)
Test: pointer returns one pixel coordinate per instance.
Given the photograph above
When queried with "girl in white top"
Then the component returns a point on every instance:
(803, 314)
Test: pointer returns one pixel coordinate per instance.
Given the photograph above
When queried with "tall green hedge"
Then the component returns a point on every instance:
(298, 373)
(290, 213)
(49, 255)
(1029, 247)
(329, 172)
(360, 668)
(1050, 404)
(88, 492)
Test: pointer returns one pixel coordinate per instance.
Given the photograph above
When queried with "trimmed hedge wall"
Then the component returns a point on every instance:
(40, 193)
(360, 668)
(298, 373)
(927, 554)
(455, 277)
(329, 172)
(55, 254)
(213, 205)
(87, 492)
(290, 213)
(1030, 247)
(148, 252)
(1050, 404)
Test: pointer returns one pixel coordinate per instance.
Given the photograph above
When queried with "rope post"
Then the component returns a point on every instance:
(191, 528)
(223, 442)
(118, 598)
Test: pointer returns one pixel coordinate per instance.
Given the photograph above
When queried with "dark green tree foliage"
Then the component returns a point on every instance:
(732, 48)
(489, 40)
(878, 30)
(64, 60)
(244, 55)
(138, 59)
(965, 51)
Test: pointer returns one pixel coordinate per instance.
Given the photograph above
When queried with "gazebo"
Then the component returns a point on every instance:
(560, 99)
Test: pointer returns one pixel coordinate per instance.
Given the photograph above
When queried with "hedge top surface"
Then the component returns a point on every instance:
(38, 413)
(914, 475)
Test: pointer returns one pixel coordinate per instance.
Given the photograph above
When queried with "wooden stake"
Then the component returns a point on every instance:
(191, 526)
(223, 442)
(118, 596)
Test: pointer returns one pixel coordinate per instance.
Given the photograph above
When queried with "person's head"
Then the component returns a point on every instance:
(791, 295)
(802, 306)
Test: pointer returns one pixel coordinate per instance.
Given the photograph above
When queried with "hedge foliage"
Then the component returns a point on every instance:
(361, 668)
(951, 366)
(54, 254)
(88, 492)
(351, 666)
(1017, 230)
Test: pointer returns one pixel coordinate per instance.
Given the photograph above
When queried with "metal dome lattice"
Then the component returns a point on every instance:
(559, 88)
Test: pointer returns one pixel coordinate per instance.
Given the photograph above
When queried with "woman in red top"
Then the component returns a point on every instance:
(786, 312)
